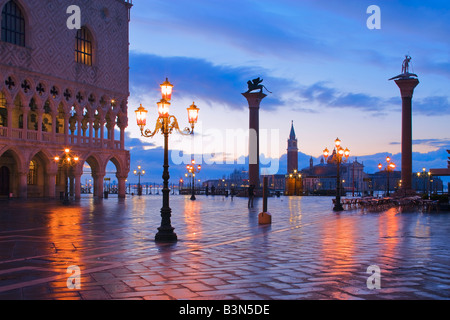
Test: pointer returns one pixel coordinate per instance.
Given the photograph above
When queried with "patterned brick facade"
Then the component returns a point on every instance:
(49, 102)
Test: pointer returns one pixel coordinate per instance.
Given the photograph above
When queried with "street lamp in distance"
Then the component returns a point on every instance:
(192, 169)
(390, 166)
(341, 153)
(139, 172)
(67, 161)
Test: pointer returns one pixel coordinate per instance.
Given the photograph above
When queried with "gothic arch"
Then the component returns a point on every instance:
(16, 155)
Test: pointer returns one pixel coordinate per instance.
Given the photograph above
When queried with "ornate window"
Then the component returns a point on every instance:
(83, 48)
(13, 24)
(32, 173)
(3, 111)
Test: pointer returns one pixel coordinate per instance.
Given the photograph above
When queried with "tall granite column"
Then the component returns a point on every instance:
(254, 99)
(407, 86)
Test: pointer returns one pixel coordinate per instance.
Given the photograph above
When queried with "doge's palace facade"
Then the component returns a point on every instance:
(62, 88)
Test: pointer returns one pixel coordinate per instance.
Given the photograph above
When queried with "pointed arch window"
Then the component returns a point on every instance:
(83, 48)
(13, 24)
(32, 173)
(3, 111)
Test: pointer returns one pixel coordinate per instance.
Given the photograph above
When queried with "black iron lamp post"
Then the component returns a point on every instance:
(139, 172)
(294, 176)
(389, 167)
(192, 171)
(165, 124)
(67, 161)
(426, 176)
(339, 158)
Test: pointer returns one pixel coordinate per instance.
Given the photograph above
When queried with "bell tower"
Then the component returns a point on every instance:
(292, 151)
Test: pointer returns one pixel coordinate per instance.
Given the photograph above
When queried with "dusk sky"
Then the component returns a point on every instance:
(327, 71)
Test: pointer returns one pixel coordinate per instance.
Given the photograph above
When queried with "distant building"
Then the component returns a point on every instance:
(276, 182)
(292, 151)
(293, 185)
(443, 172)
(321, 178)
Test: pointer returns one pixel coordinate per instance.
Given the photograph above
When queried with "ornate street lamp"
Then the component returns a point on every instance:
(294, 176)
(165, 124)
(139, 173)
(426, 176)
(389, 167)
(192, 171)
(66, 161)
(340, 155)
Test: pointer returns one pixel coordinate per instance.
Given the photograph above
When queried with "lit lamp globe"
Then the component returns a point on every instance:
(326, 153)
(193, 115)
(346, 152)
(163, 108)
(337, 143)
(166, 90)
(141, 117)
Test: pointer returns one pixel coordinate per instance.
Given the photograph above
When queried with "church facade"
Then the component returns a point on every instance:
(62, 88)
(320, 179)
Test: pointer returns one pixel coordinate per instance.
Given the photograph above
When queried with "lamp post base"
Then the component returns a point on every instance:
(193, 197)
(338, 207)
(166, 235)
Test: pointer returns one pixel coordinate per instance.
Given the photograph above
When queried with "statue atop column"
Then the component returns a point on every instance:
(255, 84)
(405, 70)
(405, 65)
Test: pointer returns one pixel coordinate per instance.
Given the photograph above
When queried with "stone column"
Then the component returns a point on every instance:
(23, 185)
(71, 184)
(407, 89)
(91, 131)
(111, 134)
(254, 100)
(98, 184)
(77, 186)
(50, 185)
(66, 128)
(40, 116)
(102, 133)
(25, 123)
(9, 119)
(54, 124)
(79, 130)
(122, 137)
(122, 187)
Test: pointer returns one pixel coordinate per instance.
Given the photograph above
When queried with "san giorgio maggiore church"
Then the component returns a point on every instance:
(60, 89)
(320, 178)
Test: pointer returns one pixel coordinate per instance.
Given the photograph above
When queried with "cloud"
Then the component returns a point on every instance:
(432, 106)
(436, 143)
(321, 93)
(196, 78)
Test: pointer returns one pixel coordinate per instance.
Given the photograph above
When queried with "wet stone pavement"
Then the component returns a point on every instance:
(308, 252)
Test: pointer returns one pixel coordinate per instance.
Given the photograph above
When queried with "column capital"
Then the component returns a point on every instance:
(254, 98)
(407, 86)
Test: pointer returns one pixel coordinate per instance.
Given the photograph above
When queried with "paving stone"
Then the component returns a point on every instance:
(319, 255)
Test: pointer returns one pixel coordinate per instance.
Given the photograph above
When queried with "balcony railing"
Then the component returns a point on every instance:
(58, 138)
